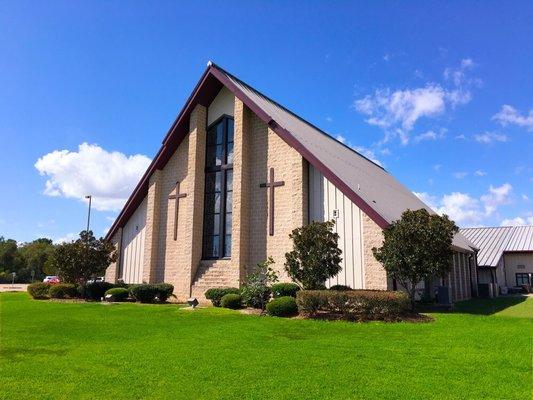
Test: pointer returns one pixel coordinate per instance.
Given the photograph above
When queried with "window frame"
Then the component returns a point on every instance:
(522, 274)
(223, 168)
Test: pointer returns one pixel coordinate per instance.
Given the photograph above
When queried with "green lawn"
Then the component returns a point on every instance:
(52, 350)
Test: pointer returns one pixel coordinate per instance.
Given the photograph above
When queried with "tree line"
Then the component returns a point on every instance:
(74, 262)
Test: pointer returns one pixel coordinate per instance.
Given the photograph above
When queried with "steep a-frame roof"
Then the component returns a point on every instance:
(495, 241)
(365, 183)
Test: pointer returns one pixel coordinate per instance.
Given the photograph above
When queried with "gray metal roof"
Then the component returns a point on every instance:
(493, 242)
(373, 184)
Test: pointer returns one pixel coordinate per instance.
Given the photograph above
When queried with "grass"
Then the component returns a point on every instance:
(54, 350)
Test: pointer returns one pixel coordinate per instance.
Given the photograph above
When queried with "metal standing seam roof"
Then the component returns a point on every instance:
(367, 184)
(493, 242)
(373, 184)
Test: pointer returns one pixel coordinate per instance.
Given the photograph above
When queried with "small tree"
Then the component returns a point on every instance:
(85, 258)
(315, 256)
(256, 289)
(417, 247)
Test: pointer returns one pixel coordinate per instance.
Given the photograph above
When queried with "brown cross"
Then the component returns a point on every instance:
(176, 197)
(271, 185)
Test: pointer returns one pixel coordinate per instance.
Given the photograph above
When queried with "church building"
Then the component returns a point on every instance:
(235, 174)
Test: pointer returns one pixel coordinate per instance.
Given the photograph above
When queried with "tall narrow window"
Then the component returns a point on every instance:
(218, 189)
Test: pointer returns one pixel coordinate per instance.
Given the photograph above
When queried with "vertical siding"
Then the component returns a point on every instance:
(324, 198)
(133, 246)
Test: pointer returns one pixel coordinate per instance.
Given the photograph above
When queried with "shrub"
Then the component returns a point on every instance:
(96, 290)
(62, 290)
(358, 305)
(165, 290)
(284, 306)
(118, 293)
(231, 300)
(255, 296)
(145, 293)
(39, 290)
(315, 256)
(340, 288)
(256, 290)
(216, 294)
(284, 289)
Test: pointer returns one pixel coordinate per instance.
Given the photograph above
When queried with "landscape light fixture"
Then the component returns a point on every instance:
(193, 302)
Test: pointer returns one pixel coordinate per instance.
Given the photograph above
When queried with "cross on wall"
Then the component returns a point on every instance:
(176, 197)
(271, 184)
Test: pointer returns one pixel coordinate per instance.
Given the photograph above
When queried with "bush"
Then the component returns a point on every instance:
(284, 306)
(284, 289)
(118, 293)
(145, 293)
(231, 300)
(255, 296)
(96, 290)
(341, 288)
(165, 290)
(315, 256)
(63, 290)
(354, 305)
(39, 290)
(216, 294)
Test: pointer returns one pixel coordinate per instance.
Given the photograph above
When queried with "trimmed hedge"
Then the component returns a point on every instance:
(144, 293)
(96, 290)
(354, 305)
(342, 288)
(63, 290)
(165, 290)
(216, 294)
(231, 300)
(284, 289)
(118, 293)
(39, 290)
(282, 307)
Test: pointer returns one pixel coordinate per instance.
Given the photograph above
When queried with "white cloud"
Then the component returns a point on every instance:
(340, 138)
(460, 175)
(495, 197)
(69, 237)
(429, 135)
(466, 210)
(108, 176)
(460, 137)
(525, 197)
(517, 221)
(490, 137)
(509, 115)
(458, 75)
(397, 111)
(329, 119)
(480, 173)
(437, 167)
(402, 107)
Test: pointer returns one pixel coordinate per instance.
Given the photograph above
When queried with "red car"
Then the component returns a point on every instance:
(52, 279)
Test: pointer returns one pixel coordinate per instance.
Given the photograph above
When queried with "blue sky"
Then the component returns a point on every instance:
(439, 93)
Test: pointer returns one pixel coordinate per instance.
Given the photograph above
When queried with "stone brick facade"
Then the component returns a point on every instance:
(375, 276)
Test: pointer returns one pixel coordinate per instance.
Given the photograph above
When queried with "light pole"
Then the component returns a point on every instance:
(89, 213)
(87, 233)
